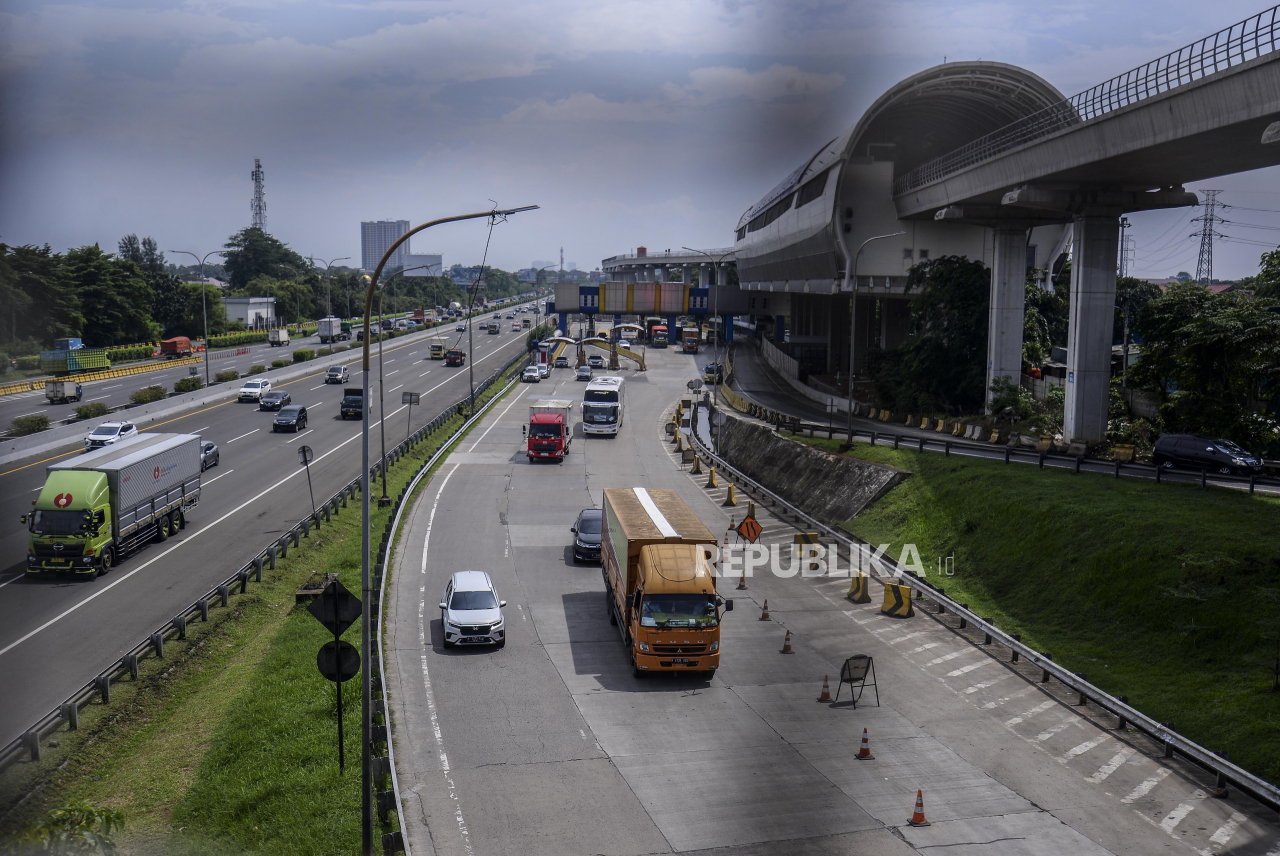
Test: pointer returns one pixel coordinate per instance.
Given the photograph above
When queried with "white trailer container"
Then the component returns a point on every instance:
(278, 337)
(62, 391)
(330, 329)
(154, 479)
(563, 406)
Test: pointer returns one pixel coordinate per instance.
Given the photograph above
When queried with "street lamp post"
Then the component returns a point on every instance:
(366, 716)
(204, 303)
(328, 306)
(853, 323)
(715, 340)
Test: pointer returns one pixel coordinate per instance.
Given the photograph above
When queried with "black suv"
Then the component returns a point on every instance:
(291, 418)
(586, 535)
(274, 400)
(1203, 453)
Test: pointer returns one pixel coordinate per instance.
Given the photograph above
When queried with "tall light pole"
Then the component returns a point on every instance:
(715, 340)
(204, 303)
(853, 321)
(382, 421)
(328, 307)
(366, 714)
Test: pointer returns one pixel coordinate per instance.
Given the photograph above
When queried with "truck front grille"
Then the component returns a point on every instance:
(679, 649)
(68, 551)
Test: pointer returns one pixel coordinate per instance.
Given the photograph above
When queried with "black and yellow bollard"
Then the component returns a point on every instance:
(859, 589)
(696, 469)
(679, 442)
(805, 538)
(711, 479)
(897, 601)
(731, 498)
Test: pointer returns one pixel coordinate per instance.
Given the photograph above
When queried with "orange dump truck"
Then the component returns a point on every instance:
(660, 588)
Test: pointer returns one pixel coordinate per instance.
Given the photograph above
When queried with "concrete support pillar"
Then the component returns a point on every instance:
(564, 322)
(673, 332)
(1008, 299)
(704, 275)
(1093, 299)
(779, 329)
(684, 273)
(727, 321)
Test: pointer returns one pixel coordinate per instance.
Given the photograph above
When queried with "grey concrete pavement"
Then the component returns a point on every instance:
(551, 746)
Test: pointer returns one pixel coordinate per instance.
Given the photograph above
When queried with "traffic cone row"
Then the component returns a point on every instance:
(786, 643)
(764, 613)
(826, 689)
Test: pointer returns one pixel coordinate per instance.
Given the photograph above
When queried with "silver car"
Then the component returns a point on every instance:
(470, 611)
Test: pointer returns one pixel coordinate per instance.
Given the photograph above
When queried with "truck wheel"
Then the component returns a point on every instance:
(108, 559)
(636, 671)
(608, 607)
(162, 530)
(175, 523)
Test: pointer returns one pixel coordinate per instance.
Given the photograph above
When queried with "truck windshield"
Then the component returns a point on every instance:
(544, 432)
(679, 610)
(600, 413)
(473, 600)
(58, 522)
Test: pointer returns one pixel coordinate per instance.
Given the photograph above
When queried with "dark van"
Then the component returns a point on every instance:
(1216, 455)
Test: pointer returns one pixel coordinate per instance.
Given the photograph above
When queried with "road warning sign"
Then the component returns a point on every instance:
(750, 529)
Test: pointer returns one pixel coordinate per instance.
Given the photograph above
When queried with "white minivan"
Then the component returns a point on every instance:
(471, 612)
(253, 390)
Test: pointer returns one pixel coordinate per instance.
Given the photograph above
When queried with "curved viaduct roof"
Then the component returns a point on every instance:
(927, 115)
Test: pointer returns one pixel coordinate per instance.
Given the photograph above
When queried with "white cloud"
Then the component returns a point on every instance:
(710, 85)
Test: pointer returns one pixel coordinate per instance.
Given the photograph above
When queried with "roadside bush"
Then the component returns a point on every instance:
(124, 355)
(189, 384)
(279, 364)
(1011, 399)
(148, 394)
(224, 377)
(325, 352)
(236, 339)
(303, 354)
(338, 348)
(28, 364)
(89, 411)
(24, 425)
(259, 369)
(4, 362)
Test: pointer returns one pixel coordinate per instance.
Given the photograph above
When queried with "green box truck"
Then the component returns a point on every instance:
(99, 507)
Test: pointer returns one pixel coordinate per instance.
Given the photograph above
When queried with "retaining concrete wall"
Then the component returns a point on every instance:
(826, 486)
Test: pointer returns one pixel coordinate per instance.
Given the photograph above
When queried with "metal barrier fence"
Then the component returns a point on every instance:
(1172, 742)
(1253, 37)
(67, 712)
(38, 383)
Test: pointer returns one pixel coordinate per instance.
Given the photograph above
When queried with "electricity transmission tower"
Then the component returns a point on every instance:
(258, 207)
(1126, 248)
(1204, 265)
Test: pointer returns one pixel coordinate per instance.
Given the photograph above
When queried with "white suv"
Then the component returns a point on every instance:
(253, 390)
(109, 433)
(471, 612)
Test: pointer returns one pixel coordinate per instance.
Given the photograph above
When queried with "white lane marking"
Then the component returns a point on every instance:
(925, 647)
(117, 386)
(1052, 730)
(6, 649)
(983, 685)
(1173, 818)
(1087, 746)
(198, 430)
(902, 638)
(300, 436)
(1040, 708)
(99, 398)
(1117, 760)
(426, 675)
(1228, 829)
(945, 657)
(424, 374)
(514, 399)
(11, 579)
(215, 478)
(314, 388)
(394, 388)
(964, 670)
(1019, 694)
(392, 361)
(389, 374)
(39, 488)
(242, 436)
(32, 413)
(1145, 788)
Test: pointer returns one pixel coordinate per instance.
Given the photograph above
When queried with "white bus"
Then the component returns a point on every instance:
(603, 406)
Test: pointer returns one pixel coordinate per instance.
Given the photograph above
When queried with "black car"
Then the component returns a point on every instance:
(1203, 453)
(291, 418)
(274, 400)
(350, 405)
(586, 535)
(208, 454)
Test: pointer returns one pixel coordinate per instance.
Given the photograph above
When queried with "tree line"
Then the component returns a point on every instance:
(1211, 360)
(136, 295)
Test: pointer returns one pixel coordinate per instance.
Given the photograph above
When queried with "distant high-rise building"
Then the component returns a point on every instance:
(376, 236)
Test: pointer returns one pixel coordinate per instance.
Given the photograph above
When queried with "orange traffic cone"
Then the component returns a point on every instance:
(786, 643)
(864, 754)
(742, 582)
(826, 690)
(917, 817)
(764, 613)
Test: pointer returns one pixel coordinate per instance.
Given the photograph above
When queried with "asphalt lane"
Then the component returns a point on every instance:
(550, 746)
(56, 634)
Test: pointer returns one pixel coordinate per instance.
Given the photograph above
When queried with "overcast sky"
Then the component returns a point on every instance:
(654, 122)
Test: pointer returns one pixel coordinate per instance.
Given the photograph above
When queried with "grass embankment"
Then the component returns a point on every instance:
(1110, 576)
(229, 743)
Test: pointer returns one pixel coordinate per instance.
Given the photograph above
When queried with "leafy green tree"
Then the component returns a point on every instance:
(77, 827)
(37, 297)
(1044, 322)
(114, 298)
(1210, 357)
(942, 365)
(252, 253)
(1133, 293)
(1267, 282)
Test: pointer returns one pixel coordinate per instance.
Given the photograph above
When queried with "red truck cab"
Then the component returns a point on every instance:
(454, 357)
(550, 430)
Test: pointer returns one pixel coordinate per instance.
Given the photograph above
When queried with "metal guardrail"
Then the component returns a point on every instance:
(1251, 38)
(1172, 742)
(67, 712)
(35, 384)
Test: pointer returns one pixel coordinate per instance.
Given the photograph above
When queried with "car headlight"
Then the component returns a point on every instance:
(714, 647)
(1238, 462)
(644, 646)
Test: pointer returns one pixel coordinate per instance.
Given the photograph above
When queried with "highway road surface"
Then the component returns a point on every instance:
(56, 634)
(550, 746)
